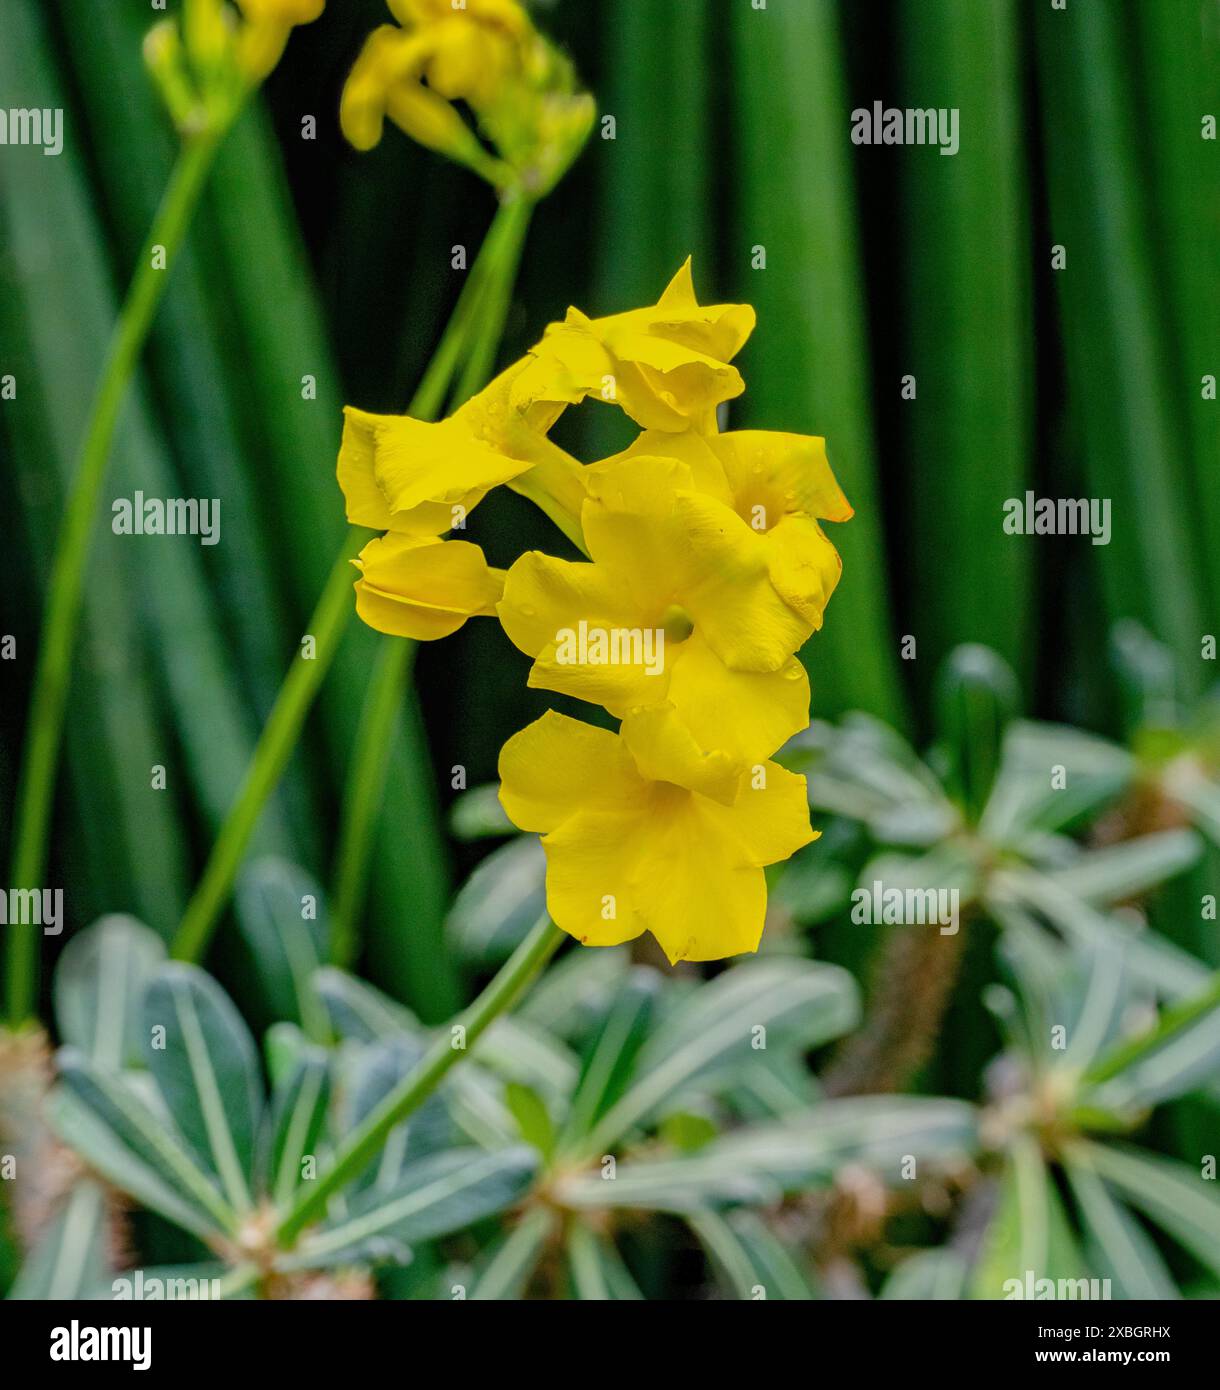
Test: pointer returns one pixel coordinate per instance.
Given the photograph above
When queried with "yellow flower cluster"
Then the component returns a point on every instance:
(208, 60)
(707, 569)
(486, 54)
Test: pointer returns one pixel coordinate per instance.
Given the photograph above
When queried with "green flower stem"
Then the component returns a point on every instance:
(275, 745)
(304, 678)
(509, 230)
(51, 677)
(362, 796)
(450, 1046)
(475, 331)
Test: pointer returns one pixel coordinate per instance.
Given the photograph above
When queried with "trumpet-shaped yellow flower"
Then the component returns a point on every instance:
(779, 485)
(420, 477)
(668, 366)
(424, 588)
(643, 832)
(487, 55)
(677, 606)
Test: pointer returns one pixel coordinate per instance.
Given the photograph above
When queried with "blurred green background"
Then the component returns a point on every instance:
(1080, 128)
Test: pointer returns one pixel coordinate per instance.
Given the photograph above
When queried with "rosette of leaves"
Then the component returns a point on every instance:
(1004, 811)
(654, 1103)
(162, 1095)
(1075, 1191)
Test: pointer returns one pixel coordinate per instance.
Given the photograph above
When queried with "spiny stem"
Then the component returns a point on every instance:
(365, 1141)
(914, 980)
(51, 677)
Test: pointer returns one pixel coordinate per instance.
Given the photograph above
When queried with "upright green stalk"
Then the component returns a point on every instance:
(275, 744)
(50, 689)
(475, 331)
(452, 1044)
(497, 258)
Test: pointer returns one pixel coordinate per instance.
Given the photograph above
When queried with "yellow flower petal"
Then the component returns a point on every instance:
(424, 589)
(557, 766)
(667, 366)
(748, 714)
(410, 475)
(645, 523)
(565, 613)
(770, 818)
(779, 474)
(665, 750)
(804, 567)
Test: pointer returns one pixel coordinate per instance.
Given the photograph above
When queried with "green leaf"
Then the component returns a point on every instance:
(609, 1057)
(761, 1163)
(499, 902)
(1028, 1238)
(478, 815)
(295, 1123)
(433, 1197)
(102, 1118)
(596, 1269)
(99, 986)
(207, 1073)
(808, 364)
(70, 1255)
(281, 913)
(932, 1275)
(1023, 800)
(1172, 1195)
(717, 1030)
(1129, 869)
(874, 1132)
(1118, 1247)
(506, 1274)
(532, 1117)
(750, 1258)
(1152, 959)
(570, 998)
(1114, 326)
(370, 1076)
(359, 1011)
(207, 1280)
(977, 698)
(518, 1051)
(1180, 1053)
(962, 240)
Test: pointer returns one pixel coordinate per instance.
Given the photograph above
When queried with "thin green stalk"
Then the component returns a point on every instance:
(475, 331)
(287, 717)
(275, 744)
(511, 225)
(363, 794)
(51, 677)
(452, 1044)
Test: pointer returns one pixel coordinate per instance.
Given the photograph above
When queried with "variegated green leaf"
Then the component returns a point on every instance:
(207, 1072)
(101, 1117)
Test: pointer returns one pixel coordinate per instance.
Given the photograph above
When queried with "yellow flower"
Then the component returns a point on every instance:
(779, 485)
(487, 55)
(424, 588)
(268, 23)
(387, 80)
(205, 64)
(642, 832)
(667, 366)
(678, 605)
(419, 477)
